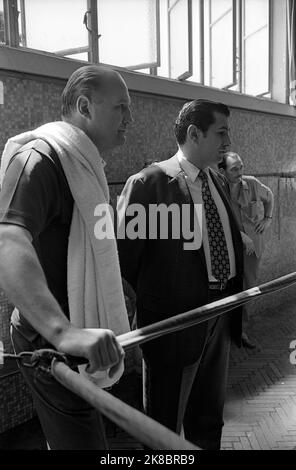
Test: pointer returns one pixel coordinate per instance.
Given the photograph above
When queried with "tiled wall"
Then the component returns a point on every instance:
(16, 405)
(267, 144)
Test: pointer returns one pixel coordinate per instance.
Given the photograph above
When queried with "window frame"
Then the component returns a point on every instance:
(91, 23)
(10, 53)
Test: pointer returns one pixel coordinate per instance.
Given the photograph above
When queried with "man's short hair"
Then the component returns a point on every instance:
(201, 114)
(223, 162)
(84, 81)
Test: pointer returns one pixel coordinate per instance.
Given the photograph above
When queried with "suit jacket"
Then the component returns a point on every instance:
(168, 279)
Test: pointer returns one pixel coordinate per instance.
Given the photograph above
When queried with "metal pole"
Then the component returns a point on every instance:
(145, 429)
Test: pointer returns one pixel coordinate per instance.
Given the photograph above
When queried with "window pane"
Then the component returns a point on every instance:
(128, 32)
(256, 63)
(54, 25)
(2, 32)
(179, 51)
(163, 69)
(196, 72)
(218, 7)
(222, 52)
(256, 15)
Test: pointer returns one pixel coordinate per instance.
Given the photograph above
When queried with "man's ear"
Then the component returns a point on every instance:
(194, 133)
(83, 106)
(222, 171)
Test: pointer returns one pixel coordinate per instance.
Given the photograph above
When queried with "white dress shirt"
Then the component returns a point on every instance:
(194, 185)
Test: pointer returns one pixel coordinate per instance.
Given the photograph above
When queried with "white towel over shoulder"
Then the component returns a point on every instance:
(95, 292)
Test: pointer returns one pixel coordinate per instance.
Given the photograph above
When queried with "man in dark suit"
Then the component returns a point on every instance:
(185, 373)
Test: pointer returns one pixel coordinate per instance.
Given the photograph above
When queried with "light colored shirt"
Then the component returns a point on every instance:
(195, 185)
(248, 198)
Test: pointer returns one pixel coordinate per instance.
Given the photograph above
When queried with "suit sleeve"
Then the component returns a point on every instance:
(131, 228)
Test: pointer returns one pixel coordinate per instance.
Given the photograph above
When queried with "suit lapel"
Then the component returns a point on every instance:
(177, 179)
(179, 187)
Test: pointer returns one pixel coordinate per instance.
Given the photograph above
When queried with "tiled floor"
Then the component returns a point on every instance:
(260, 412)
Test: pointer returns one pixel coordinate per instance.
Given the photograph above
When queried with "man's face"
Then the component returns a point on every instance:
(216, 140)
(234, 169)
(110, 115)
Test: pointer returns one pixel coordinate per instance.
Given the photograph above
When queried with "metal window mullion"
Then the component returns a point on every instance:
(210, 42)
(172, 6)
(72, 50)
(234, 38)
(243, 57)
(256, 31)
(287, 68)
(158, 61)
(11, 23)
(202, 40)
(270, 46)
(212, 23)
(23, 23)
(144, 65)
(190, 46)
(169, 41)
(240, 45)
(93, 34)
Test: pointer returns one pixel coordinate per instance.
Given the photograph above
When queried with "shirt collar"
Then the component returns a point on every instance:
(244, 184)
(189, 169)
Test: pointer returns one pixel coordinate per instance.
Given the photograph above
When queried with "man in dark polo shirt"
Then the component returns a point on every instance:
(37, 203)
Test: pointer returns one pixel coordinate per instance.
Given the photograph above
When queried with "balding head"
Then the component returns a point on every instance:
(231, 166)
(96, 100)
(228, 157)
(87, 81)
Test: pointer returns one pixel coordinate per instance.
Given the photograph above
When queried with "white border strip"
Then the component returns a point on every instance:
(1, 93)
(49, 65)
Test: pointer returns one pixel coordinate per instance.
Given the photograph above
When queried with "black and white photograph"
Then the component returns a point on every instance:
(147, 230)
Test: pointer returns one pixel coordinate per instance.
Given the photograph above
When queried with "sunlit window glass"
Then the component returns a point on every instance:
(179, 39)
(54, 26)
(218, 8)
(128, 33)
(2, 31)
(222, 50)
(219, 43)
(256, 47)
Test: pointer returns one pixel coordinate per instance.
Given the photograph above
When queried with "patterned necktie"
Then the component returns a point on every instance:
(217, 242)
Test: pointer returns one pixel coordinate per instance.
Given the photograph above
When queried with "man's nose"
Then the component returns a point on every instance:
(128, 117)
(227, 140)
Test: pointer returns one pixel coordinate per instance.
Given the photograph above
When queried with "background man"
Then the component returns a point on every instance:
(53, 180)
(185, 373)
(248, 196)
